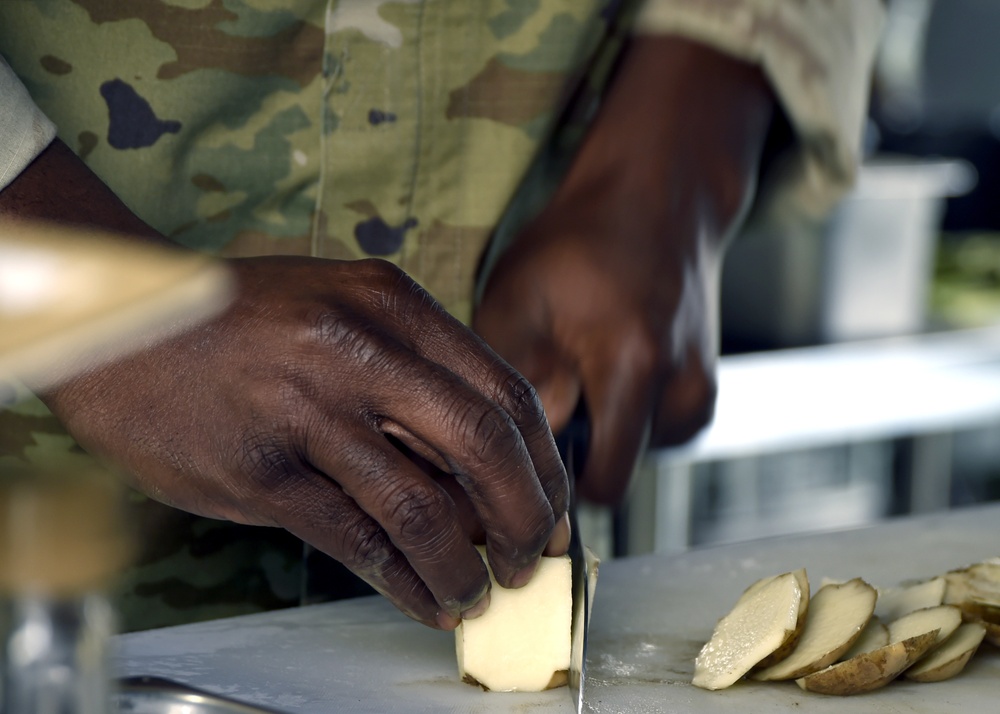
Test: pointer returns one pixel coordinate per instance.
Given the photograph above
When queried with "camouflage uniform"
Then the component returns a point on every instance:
(351, 128)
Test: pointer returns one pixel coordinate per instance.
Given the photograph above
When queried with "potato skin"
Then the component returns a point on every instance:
(971, 594)
(946, 671)
(949, 659)
(870, 670)
(795, 668)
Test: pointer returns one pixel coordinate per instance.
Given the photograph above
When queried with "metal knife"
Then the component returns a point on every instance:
(572, 445)
(158, 695)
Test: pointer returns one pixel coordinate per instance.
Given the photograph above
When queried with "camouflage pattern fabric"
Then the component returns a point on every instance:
(304, 127)
(818, 56)
(334, 128)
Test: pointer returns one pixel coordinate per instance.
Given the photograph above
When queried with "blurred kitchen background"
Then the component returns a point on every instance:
(860, 377)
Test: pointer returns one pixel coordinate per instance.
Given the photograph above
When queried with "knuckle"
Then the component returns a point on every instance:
(340, 328)
(698, 391)
(418, 514)
(688, 407)
(269, 466)
(381, 272)
(368, 550)
(361, 348)
(395, 291)
(700, 403)
(486, 435)
(520, 398)
(641, 344)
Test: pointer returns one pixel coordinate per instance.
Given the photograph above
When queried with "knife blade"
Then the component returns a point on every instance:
(147, 694)
(572, 443)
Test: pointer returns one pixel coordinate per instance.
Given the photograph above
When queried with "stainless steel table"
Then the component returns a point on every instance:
(651, 615)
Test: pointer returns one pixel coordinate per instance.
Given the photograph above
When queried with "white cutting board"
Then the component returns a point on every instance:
(651, 615)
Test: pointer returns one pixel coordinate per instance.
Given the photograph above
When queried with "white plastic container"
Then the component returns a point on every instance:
(864, 274)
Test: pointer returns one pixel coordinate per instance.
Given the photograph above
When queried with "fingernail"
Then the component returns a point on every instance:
(478, 609)
(446, 621)
(559, 540)
(523, 576)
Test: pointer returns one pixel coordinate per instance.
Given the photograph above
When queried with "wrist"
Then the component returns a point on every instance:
(58, 186)
(678, 137)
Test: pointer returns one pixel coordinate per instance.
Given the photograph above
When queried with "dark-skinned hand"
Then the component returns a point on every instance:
(301, 406)
(609, 295)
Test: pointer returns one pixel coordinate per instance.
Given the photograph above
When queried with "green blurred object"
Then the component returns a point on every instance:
(966, 288)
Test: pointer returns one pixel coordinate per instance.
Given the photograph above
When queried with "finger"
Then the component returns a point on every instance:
(558, 543)
(467, 517)
(416, 514)
(618, 389)
(535, 356)
(485, 450)
(453, 345)
(488, 374)
(318, 511)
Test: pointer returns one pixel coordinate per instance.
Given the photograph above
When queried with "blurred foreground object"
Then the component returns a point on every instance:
(62, 542)
(69, 298)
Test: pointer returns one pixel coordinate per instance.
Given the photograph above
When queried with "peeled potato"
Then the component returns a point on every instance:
(951, 657)
(522, 642)
(761, 622)
(837, 615)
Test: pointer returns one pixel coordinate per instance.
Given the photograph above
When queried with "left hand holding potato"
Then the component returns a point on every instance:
(609, 295)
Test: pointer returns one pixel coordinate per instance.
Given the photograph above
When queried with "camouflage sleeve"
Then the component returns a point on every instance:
(818, 56)
(24, 130)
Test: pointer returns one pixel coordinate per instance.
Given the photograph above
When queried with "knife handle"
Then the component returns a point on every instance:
(573, 441)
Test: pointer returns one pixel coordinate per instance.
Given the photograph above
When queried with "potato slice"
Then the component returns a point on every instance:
(522, 642)
(944, 618)
(951, 657)
(875, 635)
(910, 638)
(893, 603)
(764, 618)
(992, 632)
(870, 670)
(979, 584)
(986, 615)
(837, 615)
(789, 645)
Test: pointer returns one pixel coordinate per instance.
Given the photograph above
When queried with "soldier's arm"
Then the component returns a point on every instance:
(617, 279)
